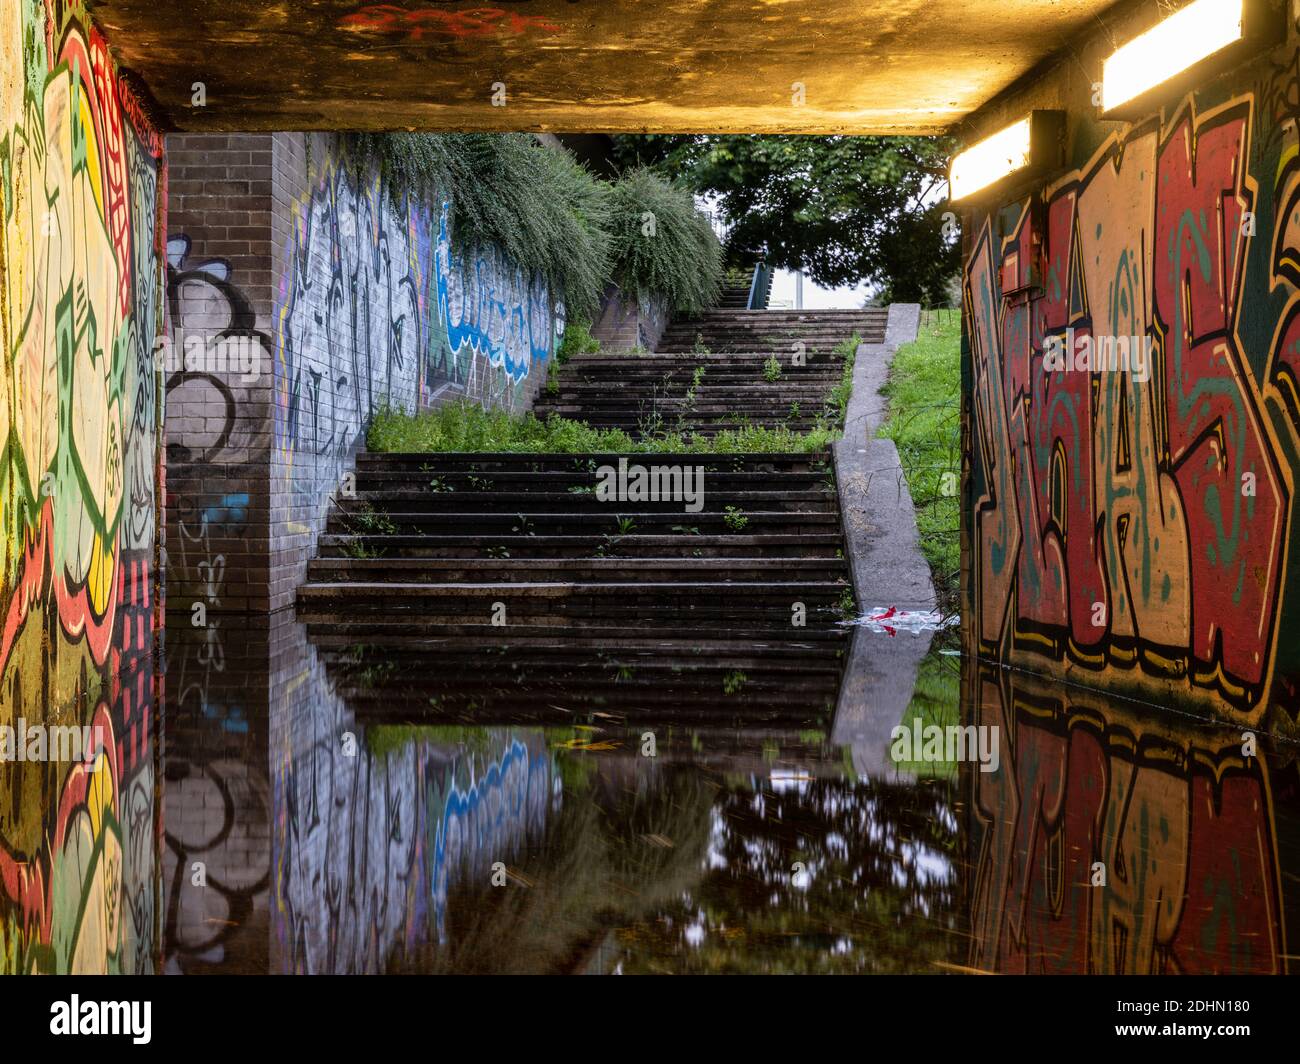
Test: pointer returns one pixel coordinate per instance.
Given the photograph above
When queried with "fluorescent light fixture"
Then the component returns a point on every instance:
(990, 160)
(1024, 147)
(1198, 31)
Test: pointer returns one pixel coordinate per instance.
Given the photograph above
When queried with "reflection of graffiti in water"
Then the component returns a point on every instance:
(1136, 528)
(79, 202)
(485, 821)
(1184, 832)
(364, 843)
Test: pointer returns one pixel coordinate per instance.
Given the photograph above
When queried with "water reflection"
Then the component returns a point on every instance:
(1195, 841)
(329, 808)
(349, 816)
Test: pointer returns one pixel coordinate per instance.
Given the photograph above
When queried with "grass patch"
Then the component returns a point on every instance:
(577, 340)
(837, 403)
(466, 426)
(924, 392)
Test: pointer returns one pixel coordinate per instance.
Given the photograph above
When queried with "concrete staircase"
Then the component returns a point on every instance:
(735, 293)
(501, 587)
(715, 372)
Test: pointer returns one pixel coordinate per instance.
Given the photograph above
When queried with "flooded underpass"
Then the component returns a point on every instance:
(331, 808)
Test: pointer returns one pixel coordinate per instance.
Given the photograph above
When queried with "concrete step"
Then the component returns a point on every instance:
(622, 521)
(384, 633)
(472, 462)
(664, 571)
(764, 547)
(636, 608)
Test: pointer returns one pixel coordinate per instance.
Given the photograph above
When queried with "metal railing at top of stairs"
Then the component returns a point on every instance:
(760, 288)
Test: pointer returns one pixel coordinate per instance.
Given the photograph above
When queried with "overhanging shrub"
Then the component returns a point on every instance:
(662, 246)
(541, 207)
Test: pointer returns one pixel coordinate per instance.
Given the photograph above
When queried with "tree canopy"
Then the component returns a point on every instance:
(843, 210)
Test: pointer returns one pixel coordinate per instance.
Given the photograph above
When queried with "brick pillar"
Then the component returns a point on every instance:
(219, 371)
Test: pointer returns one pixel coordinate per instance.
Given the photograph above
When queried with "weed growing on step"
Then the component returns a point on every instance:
(735, 518)
(367, 521)
(357, 549)
(700, 347)
(772, 370)
(733, 682)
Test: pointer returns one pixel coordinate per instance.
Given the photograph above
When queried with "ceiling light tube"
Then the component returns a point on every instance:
(1020, 150)
(1205, 35)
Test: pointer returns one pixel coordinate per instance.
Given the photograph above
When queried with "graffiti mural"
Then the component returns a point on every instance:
(81, 192)
(437, 24)
(1132, 521)
(216, 362)
(1180, 822)
(376, 310)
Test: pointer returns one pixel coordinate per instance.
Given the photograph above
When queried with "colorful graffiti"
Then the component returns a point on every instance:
(375, 310)
(367, 846)
(1179, 822)
(416, 25)
(80, 194)
(1135, 525)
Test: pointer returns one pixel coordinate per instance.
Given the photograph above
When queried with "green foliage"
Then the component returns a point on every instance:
(543, 209)
(841, 209)
(662, 245)
(466, 426)
(368, 521)
(935, 701)
(735, 518)
(837, 403)
(772, 370)
(924, 393)
(577, 340)
(733, 682)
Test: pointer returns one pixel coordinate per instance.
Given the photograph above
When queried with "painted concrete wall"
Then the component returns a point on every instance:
(1136, 529)
(357, 303)
(81, 190)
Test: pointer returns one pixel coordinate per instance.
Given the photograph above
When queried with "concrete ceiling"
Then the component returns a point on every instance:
(867, 66)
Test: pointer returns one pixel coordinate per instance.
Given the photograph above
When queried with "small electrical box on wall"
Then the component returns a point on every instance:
(1024, 264)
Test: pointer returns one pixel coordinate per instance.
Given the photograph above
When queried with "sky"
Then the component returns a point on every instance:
(815, 297)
